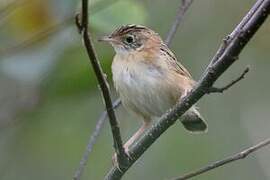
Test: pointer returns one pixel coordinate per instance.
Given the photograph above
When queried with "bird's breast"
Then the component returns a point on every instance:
(142, 87)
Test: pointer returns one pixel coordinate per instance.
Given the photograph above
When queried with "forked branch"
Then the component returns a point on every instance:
(183, 7)
(82, 24)
(222, 89)
(241, 155)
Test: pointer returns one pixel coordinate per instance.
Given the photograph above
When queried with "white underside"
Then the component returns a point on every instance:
(141, 88)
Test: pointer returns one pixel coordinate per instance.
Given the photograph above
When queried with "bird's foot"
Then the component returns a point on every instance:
(121, 162)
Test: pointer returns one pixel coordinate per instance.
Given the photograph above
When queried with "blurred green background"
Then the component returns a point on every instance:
(50, 100)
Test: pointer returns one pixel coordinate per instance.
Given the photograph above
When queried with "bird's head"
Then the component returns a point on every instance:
(133, 38)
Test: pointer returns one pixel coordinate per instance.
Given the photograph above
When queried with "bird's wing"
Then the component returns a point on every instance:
(174, 64)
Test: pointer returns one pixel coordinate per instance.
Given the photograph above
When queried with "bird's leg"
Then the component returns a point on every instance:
(146, 124)
(186, 91)
(135, 136)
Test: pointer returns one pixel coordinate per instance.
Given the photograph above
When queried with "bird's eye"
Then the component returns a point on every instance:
(129, 39)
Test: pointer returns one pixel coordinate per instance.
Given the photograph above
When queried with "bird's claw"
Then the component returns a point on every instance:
(115, 159)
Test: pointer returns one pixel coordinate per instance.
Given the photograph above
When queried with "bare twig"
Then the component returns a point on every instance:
(121, 155)
(89, 147)
(100, 123)
(185, 4)
(222, 89)
(229, 38)
(238, 156)
(226, 59)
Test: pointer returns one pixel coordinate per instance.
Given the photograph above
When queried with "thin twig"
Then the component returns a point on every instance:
(104, 86)
(222, 89)
(185, 4)
(89, 147)
(207, 80)
(228, 39)
(100, 123)
(238, 156)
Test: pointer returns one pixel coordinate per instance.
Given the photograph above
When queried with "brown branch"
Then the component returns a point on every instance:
(121, 155)
(222, 89)
(209, 77)
(238, 156)
(185, 4)
(228, 39)
(100, 123)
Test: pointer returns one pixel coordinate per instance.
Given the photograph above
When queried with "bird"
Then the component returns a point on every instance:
(149, 79)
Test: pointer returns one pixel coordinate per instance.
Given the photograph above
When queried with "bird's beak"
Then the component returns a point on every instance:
(105, 39)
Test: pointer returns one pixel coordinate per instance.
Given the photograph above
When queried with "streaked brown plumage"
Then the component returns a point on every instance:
(148, 77)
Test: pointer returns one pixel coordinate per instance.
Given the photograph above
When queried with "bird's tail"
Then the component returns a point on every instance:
(193, 121)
